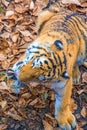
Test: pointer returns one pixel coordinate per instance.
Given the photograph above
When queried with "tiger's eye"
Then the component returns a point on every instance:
(58, 44)
(65, 75)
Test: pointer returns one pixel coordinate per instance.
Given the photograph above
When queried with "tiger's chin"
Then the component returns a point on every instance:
(16, 85)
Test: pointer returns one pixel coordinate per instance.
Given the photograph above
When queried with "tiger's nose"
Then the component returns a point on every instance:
(11, 74)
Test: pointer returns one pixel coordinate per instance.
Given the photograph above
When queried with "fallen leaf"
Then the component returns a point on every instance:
(18, 1)
(81, 91)
(71, 2)
(3, 86)
(26, 95)
(3, 126)
(25, 33)
(13, 113)
(5, 64)
(22, 112)
(21, 8)
(5, 2)
(84, 77)
(84, 112)
(9, 13)
(50, 119)
(32, 5)
(22, 101)
(15, 37)
(47, 126)
(34, 102)
(2, 57)
(3, 104)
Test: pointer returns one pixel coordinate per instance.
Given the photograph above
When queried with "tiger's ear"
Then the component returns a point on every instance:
(42, 18)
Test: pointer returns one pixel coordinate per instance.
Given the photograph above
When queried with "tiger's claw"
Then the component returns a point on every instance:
(66, 120)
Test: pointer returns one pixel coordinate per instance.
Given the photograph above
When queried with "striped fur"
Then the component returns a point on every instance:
(53, 58)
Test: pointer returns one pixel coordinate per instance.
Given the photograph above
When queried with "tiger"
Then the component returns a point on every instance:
(53, 59)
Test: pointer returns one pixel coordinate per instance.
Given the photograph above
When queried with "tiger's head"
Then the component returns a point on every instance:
(44, 59)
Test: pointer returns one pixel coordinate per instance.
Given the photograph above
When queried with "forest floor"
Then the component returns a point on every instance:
(33, 107)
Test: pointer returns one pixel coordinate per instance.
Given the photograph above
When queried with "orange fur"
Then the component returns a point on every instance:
(72, 31)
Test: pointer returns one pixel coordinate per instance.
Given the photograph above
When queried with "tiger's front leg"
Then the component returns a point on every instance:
(63, 115)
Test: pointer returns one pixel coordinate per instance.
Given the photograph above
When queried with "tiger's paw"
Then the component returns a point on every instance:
(66, 120)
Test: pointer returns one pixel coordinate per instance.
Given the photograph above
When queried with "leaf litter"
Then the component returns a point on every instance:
(33, 107)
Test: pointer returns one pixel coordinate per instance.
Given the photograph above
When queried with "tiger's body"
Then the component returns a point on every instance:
(53, 58)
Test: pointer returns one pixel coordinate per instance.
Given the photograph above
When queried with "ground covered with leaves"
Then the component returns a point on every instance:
(33, 107)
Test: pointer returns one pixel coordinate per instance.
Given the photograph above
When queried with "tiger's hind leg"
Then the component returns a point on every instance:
(76, 74)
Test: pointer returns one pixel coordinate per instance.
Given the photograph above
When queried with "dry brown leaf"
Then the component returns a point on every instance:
(22, 101)
(84, 112)
(47, 126)
(13, 113)
(84, 77)
(1, 27)
(5, 64)
(3, 104)
(3, 126)
(12, 17)
(26, 95)
(34, 102)
(15, 37)
(5, 35)
(50, 119)
(21, 8)
(25, 33)
(3, 86)
(31, 5)
(77, 2)
(22, 112)
(5, 2)
(12, 97)
(81, 91)
(2, 57)
(78, 127)
(9, 13)
(18, 1)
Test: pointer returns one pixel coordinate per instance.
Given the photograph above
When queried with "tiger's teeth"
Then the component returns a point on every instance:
(58, 44)
(65, 75)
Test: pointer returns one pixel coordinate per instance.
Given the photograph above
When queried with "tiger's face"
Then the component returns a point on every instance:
(45, 58)
(40, 63)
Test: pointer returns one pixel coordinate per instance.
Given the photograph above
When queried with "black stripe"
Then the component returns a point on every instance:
(46, 62)
(69, 16)
(19, 63)
(43, 54)
(48, 67)
(55, 57)
(37, 47)
(58, 72)
(81, 22)
(81, 35)
(53, 66)
(65, 61)
(51, 61)
(36, 52)
(75, 23)
(83, 26)
(54, 70)
(60, 62)
(48, 74)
